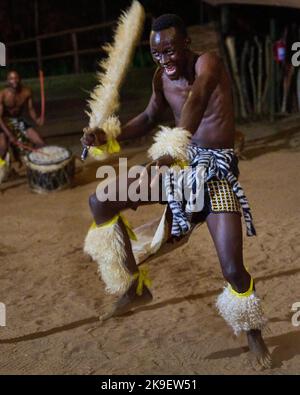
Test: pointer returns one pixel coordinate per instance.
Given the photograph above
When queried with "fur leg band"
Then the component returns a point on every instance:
(105, 244)
(241, 311)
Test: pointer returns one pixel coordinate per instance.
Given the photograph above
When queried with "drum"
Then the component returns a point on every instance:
(50, 169)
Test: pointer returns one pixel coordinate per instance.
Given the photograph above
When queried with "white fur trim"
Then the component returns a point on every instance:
(241, 313)
(171, 142)
(106, 246)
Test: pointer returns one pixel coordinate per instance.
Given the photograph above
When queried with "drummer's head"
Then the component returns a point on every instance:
(13, 79)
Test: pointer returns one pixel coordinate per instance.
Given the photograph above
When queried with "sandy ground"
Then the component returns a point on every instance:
(53, 295)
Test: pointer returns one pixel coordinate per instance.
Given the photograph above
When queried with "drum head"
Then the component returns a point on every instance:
(49, 155)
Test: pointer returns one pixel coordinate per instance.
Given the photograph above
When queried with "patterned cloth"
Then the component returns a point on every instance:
(19, 127)
(222, 199)
(209, 164)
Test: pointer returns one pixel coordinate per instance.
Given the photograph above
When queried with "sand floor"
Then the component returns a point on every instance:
(53, 295)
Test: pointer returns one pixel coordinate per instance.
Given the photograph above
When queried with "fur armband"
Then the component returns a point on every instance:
(171, 142)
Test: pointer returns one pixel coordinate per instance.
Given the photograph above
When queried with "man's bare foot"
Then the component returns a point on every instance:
(259, 349)
(128, 301)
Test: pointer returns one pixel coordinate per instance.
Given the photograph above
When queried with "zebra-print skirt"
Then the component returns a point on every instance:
(184, 186)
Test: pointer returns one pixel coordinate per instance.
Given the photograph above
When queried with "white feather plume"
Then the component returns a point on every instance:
(104, 100)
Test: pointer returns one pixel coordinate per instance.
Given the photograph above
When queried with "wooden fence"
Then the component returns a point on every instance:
(74, 51)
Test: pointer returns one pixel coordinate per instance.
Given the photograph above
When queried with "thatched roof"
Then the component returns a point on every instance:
(278, 3)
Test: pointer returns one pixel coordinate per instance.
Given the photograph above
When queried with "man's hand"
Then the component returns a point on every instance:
(40, 121)
(93, 139)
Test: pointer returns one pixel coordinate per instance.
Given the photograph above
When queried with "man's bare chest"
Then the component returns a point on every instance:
(176, 96)
(14, 100)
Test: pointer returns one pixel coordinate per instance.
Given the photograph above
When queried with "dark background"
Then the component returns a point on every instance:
(23, 19)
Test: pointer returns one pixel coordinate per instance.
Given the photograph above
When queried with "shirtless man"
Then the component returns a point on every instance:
(198, 90)
(14, 99)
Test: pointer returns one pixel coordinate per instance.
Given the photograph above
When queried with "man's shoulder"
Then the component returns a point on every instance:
(157, 78)
(4, 91)
(209, 60)
(26, 91)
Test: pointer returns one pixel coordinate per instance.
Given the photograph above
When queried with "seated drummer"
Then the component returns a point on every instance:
(14, 99)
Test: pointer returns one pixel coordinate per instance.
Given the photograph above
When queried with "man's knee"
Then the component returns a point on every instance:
(101, 210)
(34, 137)
(95, 204)
(3, 145)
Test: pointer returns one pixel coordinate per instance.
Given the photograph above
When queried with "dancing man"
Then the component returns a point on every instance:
(198, 91)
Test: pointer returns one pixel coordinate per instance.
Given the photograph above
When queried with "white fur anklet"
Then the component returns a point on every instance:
(105, 244)
(171, 142)
(243, 311)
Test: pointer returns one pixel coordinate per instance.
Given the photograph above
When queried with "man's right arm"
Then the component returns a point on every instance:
(2, 123)
(150, 117)
(142, 123)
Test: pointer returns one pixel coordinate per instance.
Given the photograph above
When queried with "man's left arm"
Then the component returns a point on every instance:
(208, 70)
(32, 111)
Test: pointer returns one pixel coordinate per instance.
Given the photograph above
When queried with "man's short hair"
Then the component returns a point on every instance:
(169, 20)
(12, 71)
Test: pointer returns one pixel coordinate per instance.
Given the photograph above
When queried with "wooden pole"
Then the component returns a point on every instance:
(103, 18)
(36, 17)
(268, 57)
(230, 44)
(39, 54)
(259, 78)
(225, 19)
(244, 84)
(42, 87)
(272, 71)
(36, 28)
(201, 12)
(75, 49)
(252, 79)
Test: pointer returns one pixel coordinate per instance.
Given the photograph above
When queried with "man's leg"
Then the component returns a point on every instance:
(3, 151)
(226, 231)
(3, 144)
(34, 137)
(117, 263)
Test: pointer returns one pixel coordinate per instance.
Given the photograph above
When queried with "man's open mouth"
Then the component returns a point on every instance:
(170, 70)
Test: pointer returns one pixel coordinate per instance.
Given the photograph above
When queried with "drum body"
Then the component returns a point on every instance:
(50, 169)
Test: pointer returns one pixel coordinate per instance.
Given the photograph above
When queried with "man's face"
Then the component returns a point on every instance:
(13, 80)
(168, 49)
